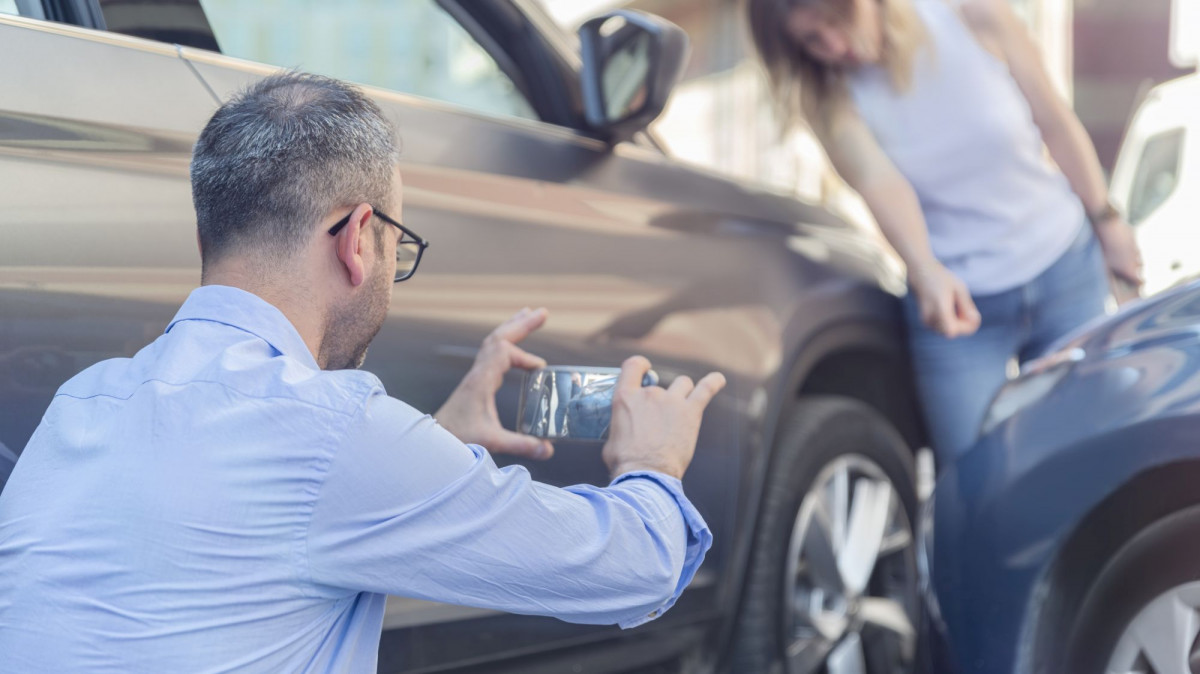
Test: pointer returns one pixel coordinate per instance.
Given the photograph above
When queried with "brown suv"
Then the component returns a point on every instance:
(527, 164)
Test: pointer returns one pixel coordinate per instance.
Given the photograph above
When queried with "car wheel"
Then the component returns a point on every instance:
(1142, 614)
(832, 583)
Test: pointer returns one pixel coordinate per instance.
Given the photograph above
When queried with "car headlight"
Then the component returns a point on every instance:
(1036, 381)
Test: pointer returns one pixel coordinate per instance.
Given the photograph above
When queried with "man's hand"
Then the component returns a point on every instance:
(470, 412)
(945, 303)
(655, 428)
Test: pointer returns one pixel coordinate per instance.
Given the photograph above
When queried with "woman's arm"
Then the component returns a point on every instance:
(998, 28)
(945, 302)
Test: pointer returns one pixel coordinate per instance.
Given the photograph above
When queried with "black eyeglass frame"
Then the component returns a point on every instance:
(422, 244)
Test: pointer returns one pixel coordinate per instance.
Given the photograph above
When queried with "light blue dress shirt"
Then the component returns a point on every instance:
(218, 502)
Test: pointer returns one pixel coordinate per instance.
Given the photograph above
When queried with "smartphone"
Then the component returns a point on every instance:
(570, 401)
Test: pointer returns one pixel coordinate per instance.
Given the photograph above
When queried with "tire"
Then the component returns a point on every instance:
(823, 436)
(1149, 580)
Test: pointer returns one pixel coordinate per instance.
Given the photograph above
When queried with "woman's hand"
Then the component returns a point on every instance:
(945, 303)
(470, 412)
(944, 300)
(1121, 253)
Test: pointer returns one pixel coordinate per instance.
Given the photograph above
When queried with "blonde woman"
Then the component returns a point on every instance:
(938, 113)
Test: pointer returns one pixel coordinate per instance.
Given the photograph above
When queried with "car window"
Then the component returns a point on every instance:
(1156, 174)
(173, 21)
(31, 8)
(412, 46)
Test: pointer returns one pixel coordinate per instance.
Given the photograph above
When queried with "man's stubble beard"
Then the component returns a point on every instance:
(349, 331)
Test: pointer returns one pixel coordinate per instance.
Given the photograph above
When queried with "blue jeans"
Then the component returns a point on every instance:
(957, 378)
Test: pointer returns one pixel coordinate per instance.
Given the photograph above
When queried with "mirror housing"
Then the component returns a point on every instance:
(631, 62)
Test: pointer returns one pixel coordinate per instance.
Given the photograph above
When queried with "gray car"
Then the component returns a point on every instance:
(528, 165)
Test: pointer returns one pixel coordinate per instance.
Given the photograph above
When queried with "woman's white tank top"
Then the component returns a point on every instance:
(999, 213)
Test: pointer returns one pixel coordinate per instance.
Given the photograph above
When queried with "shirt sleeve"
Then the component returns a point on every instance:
(408, 509)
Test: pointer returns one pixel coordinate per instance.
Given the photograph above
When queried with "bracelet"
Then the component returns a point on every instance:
(1106, 213)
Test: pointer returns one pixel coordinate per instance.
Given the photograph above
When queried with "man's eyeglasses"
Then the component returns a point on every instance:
(408, 251)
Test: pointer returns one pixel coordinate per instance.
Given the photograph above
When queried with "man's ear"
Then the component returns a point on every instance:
(350, 244)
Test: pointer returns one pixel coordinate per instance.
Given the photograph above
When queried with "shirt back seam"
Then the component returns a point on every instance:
(208, 381)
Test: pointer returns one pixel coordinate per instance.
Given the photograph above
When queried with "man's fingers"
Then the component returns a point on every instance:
(508, 442)
(682, 386)
(518, 357)
(632, 371)
(522, 324)
(706, 388)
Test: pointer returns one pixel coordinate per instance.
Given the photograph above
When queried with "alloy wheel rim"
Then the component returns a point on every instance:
(1163, 637)
(847, 572)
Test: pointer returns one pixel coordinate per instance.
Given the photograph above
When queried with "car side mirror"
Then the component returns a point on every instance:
(631, 61)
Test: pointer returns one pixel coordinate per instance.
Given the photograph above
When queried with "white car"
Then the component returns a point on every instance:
(1156, 181)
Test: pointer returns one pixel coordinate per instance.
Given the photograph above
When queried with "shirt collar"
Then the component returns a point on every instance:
(246, 311)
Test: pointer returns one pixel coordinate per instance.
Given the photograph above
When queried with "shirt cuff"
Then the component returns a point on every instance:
(699, 537)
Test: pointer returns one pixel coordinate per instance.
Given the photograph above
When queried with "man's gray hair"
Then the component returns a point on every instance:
(279, 156)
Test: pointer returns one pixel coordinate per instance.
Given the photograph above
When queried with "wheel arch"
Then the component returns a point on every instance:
(862, 360)
(879, 378)
(1147, 497)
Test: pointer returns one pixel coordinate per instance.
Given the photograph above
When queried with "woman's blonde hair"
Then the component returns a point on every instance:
(803, 87)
